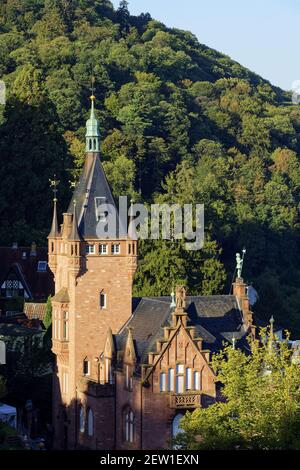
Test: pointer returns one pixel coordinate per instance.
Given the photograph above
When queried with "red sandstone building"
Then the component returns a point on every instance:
(126, 368)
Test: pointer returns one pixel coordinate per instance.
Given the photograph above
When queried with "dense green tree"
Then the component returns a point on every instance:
(261, 406)
(180, 122)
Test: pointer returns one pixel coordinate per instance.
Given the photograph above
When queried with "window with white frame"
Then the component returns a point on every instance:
(163, 382)
(102, 300)
(90, 249)
(197, 383)
(188, 379)
(171, 377)
(179, 378)
(103, 250)
(116, 248)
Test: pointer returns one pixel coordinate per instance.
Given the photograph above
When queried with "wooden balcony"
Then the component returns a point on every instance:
(185, 400)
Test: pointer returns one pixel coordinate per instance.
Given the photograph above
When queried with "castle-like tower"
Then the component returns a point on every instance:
(93, 295)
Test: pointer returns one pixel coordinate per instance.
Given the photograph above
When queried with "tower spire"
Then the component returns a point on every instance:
(92, 127)
(54, 227)
(74, 235)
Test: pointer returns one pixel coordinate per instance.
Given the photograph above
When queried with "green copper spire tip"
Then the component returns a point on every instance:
(92, 130)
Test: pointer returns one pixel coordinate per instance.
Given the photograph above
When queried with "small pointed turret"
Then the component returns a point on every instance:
(54, 228)
(74, 235)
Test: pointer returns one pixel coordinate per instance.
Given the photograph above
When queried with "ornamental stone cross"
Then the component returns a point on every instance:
(180, 297)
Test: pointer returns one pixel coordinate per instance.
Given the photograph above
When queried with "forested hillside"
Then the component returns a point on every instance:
(180, 122)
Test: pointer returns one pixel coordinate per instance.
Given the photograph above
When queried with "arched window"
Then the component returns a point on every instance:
(81, 419)
(90, 422)
(90, 144)
(94, 144)
(175, 427)
(129, 425)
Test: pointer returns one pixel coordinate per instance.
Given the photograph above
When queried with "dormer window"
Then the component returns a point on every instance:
(42, 266)
(116, 249)
(103, 250)
(90, 249)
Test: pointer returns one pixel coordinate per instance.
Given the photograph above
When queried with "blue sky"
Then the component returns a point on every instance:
(260, 34)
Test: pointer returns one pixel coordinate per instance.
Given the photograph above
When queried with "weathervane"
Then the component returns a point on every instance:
(53, 184)
(72, 184)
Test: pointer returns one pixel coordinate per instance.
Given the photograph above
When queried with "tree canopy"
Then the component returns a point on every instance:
(261, 401)
(179, 121)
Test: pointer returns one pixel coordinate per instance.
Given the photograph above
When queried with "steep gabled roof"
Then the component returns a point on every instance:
(92, 184)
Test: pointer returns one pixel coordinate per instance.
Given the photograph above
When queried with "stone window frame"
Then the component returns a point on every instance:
(129, 425)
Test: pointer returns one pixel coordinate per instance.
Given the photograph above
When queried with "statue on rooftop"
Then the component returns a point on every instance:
(239, 263)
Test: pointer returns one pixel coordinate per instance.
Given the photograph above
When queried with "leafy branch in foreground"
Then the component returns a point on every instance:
(261, 401)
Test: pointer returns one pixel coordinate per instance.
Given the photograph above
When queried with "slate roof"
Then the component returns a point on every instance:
(216, 318)
(39, 285)
(92, 184)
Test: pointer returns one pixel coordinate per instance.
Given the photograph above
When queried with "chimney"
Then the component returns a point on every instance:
(33, 249)
(240, 291)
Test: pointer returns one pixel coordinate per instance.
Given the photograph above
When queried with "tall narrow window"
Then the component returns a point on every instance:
(188, 379)
(129, 426)
(163, 385)
(102, 300)
(179, 378)
(86, 367)
(197, 384)
(171, 380)
(81, 419)
(90, 424)
(66, 326)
